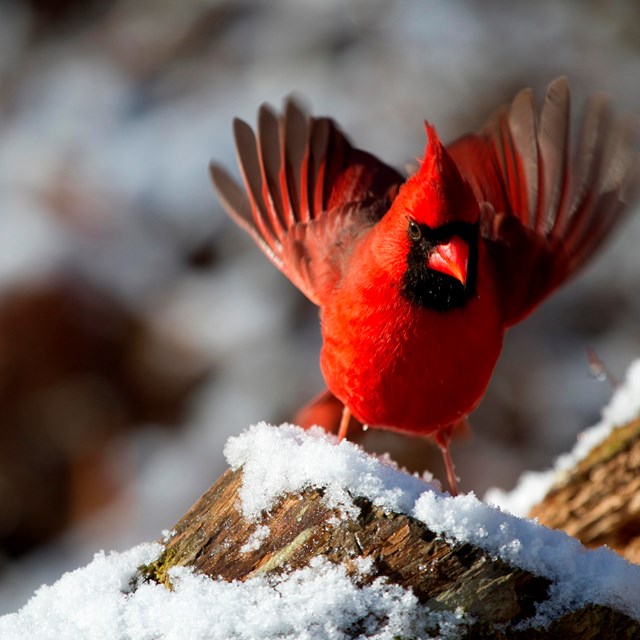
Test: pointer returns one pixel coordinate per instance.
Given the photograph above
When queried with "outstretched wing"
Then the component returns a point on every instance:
(308, 194)
(547, 209)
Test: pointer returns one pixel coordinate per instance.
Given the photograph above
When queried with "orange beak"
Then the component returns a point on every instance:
(451, 258)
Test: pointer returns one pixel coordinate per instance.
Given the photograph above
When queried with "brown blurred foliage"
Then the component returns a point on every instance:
(77, 369)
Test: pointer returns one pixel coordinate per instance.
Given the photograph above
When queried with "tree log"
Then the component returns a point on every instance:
(214, 539)
(598, 501)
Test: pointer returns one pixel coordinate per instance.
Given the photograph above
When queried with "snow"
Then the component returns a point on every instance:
(105, 600)
(256, 539)
(287, 459)
(625, 404)
(86, 603)
(533, 486)
(317, 602)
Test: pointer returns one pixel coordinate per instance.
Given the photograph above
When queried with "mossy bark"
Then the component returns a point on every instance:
(598, 501)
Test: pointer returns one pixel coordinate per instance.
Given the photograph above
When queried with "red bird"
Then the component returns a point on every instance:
(418, 278)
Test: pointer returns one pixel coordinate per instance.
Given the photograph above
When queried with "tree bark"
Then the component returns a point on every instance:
(598, 501)
(212, 536)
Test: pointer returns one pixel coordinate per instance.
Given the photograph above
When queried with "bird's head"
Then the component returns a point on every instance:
(439, 216)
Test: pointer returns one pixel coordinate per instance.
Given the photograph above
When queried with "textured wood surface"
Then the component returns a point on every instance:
(598, 501)
(211, 536)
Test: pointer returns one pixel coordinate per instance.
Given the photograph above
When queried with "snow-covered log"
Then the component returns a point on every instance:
(295, 500)
(307, 538)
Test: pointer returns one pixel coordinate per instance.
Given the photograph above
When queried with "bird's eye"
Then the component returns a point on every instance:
(414, 230)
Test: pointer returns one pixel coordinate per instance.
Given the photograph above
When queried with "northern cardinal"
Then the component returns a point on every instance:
(418, 278)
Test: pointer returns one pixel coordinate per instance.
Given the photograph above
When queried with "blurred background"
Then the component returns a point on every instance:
(139, 328)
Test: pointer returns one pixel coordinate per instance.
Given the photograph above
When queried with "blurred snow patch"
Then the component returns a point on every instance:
(532, 486)
(625, 404)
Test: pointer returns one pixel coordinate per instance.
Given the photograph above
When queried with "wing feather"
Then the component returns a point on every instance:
(306, 191)
(550, 209)
(318, 147)
(524, 152)
(269, 161)
(294, 132)
(251, 175)
(553, 141)
(235, 201)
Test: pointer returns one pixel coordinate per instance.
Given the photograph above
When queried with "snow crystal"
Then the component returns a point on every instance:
(317, 602)
(256, 539)
(286, 459)
(167, 534)
(533, 486)
(83, 604)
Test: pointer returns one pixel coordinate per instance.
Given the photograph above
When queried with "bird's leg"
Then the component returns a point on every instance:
(443, 440)
(344, 423)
